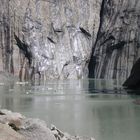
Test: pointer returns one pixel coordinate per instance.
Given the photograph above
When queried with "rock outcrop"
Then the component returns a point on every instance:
(7, 133)
(62, 39)
(118, 42)
(14, 126)
(133, 81)
(58, 33)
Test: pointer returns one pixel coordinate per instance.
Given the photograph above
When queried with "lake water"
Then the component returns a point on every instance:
(98, 108)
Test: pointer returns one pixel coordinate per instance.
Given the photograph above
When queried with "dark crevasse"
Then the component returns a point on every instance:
(93, 61)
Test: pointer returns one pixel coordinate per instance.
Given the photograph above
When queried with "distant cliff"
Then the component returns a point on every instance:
(63, 39)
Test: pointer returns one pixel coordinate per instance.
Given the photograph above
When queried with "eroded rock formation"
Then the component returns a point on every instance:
(118, 42)
(14, 126)
(63, 36)
(59, 34)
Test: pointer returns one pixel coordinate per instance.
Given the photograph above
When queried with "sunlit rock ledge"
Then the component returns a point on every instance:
(14, 126)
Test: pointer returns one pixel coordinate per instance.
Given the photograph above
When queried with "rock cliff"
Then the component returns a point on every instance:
(62, 39)
(56, 34)
(118, 42)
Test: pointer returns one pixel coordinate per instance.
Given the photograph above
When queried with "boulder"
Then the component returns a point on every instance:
(133, 81)
(12, 119)
(14, 126)
(35, 129)
(7, 133)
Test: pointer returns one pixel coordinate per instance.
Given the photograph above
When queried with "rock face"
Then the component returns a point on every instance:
(58, 33)
(118, 42)
(62, 39)
(7, 133)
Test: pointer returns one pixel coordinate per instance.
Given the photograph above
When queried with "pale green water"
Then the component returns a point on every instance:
(97, 108)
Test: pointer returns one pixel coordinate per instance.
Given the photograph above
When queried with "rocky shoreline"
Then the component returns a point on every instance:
(14, 126)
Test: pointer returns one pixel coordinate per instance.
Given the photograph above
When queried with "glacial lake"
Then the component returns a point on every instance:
(95, 108)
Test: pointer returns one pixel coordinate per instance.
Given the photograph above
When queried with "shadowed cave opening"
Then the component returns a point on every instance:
(91, 66)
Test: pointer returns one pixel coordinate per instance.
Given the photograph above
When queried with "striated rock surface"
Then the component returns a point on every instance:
(30, 129)
(62, 39)
(118, 41)
(48, 38)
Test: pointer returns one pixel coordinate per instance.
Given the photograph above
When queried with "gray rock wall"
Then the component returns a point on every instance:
(118, 43)
(62, 35)
(59, 33)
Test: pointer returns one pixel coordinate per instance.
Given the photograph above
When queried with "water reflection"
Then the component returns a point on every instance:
(106, 86)
(99, 108)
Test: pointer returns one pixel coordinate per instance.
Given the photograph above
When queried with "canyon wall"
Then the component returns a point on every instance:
(64, 39)
(48, 39)
(118, 42)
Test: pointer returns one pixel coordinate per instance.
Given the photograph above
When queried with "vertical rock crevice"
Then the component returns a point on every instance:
(93, 59)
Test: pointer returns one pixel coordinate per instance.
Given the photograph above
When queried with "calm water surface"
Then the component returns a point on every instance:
(98, 108)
